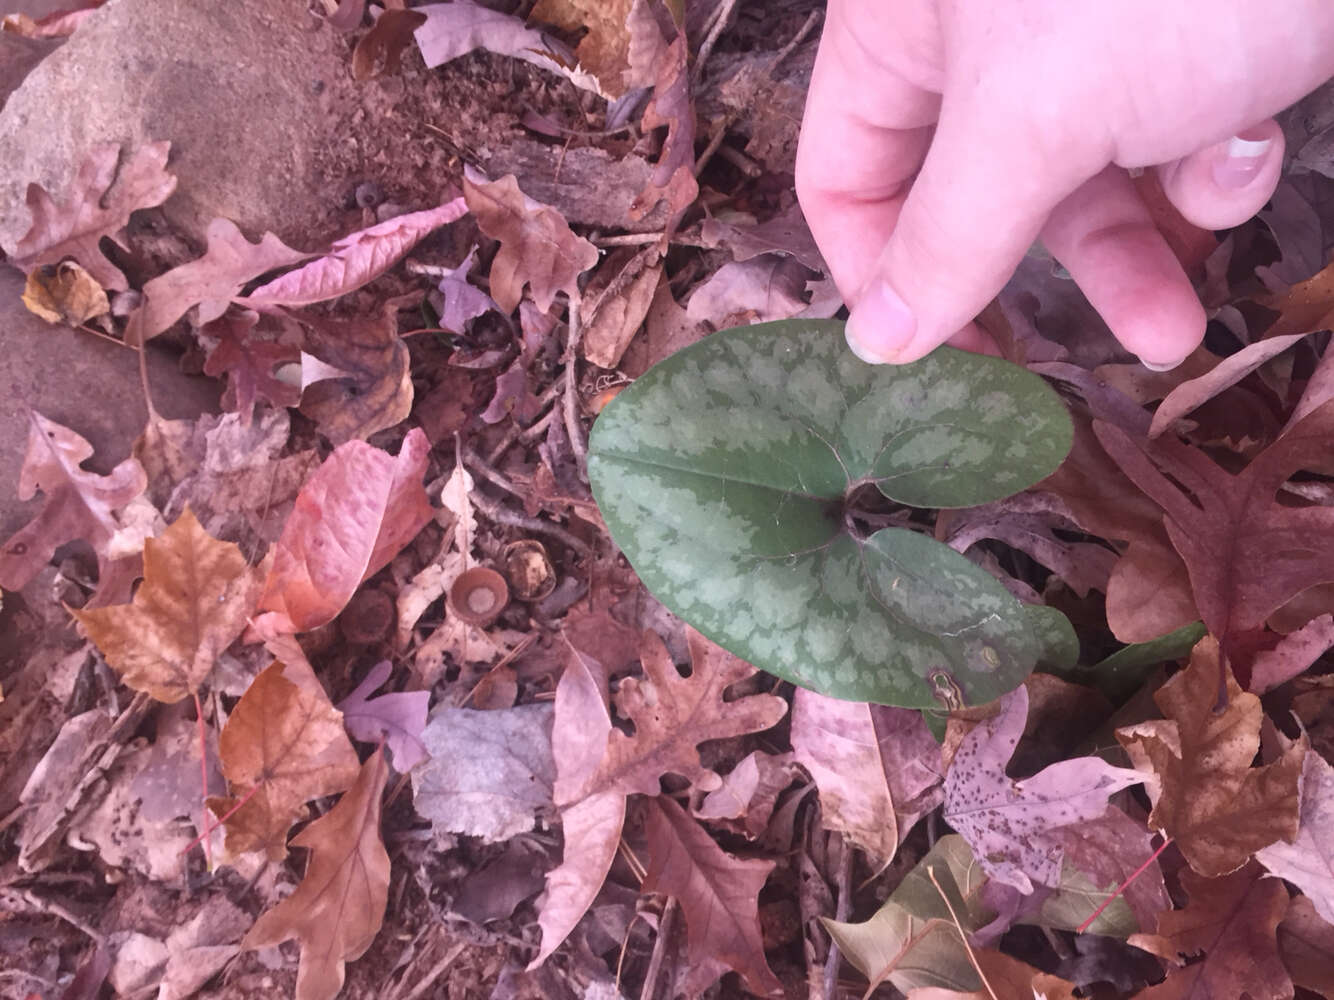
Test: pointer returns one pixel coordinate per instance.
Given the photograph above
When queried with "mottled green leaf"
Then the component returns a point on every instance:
(1120, 674)
(722, 474)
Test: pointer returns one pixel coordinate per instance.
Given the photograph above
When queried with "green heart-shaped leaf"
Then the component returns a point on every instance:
(722, 474)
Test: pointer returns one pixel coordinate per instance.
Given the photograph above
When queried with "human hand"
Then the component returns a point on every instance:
(941, 138)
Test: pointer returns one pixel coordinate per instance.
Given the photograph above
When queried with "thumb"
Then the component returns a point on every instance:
(983, 194)
(1223, 185)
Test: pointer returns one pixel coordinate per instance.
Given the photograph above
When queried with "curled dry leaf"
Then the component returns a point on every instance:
(372, 389)
(350, 519)
(1233, 921)
(285, 741)
(1012, 825)
(397, 717)
(78, 504)
(212, 281)
(92, 208)
(379, 50)
(673, 178)
(68, 294)
(339, 906)
(604, 51)
(877, 768)
(719, 894)
(1294, 654)
(537, 247)
(1209, 799)
(196, 598)
(248, 363)
(461, 301)
(355, 260)
(1308, 862)
(745, 801)
(614, 306)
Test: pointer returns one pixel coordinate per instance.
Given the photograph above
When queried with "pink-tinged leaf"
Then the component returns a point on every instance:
(719, 894)
(673, 178)
(1293, 655)
(78, 504)
(751, 291)
(93, 208)
(249, 363)
(398, 718)
(1308, 862)
(877, 768)
(212, 281)
(1011, 825)
(1111, 848)
(461, 301)
(355, 260)
(1228, 372)
(353, 516)
(745, 802)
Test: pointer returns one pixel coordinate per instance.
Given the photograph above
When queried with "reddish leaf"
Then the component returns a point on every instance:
(745, 801)
(537, 247)
(94, 207)
(1247, 556)
(718, 893)
(212, 281)
(249, 363)
(462, 302)
(1305, 941)
(673, 177)
(78, 504)
(350, 519)
(1233, 921)
(380, 49)
(339, 906)
(1005, 977)
(398, 718)
(1011, 825)
(355, 260)
(1294, 654)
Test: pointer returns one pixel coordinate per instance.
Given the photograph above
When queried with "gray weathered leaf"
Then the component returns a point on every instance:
(722, 474)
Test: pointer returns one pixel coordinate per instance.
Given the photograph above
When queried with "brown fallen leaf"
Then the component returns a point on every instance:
(719, 894)
(67, 294)
(379, 50)
(283, 745)
(78, 504)
(769, 287)
(1308, 862)
(94, 207)
(877, 768)
(1209, 799)
(673, 178)
(355, 260)
(745, 801)
(604, 51)
(616, 302)
(214, 280)
(339, 906)
(248, 363)
(57, 24)
(1005, 977)
(537, 247)
(350, 519)
(1305, 942)
(1233, 921)
(196, 598)
(1294, 654)
(374, 390)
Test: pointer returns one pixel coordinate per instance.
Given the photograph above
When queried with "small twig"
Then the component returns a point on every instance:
(479, 465)
(843, 909)
(717, 26)
(715, 140)
(426, 270)
(572, 426)
(538, 427)
(666, 923)
(222, 820)
(683, 239)
(741, 161)
(203, 780)
(437, 971)
(503, 515)
(56, 910)
(931, 872)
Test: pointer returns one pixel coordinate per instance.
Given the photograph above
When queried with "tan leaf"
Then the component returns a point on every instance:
(673, 714)
(1233, 921)
(1005, 977)
(339, 906)
(673, 178)
(718, 893)
(605, 49)
(1306, 942)
(94, 207)
(877, 769)
(745, 801)
(285, 740)
(78, 504)
(1218, 808)
(196, 598)
(376, 390)
(537, 247)
(212, 281)
(614, 306)
(69, 294)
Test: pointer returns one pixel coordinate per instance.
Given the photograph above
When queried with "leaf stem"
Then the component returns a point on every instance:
(931, 873)
(203, 779)
(225, 817)
(1122, 887)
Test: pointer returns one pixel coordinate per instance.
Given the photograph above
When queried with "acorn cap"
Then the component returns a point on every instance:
(528, 567)
(479, 595)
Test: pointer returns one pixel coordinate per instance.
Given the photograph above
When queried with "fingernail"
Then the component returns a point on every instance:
(1242, 163)
(1160, 367)
(881, 325)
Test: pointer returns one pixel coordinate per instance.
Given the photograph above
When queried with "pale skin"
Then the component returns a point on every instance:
(942, 138)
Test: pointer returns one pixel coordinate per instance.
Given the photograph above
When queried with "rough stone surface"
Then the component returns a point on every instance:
(246, 91)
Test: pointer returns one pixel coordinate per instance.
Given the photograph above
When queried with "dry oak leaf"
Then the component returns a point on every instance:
(339, 906)
(214, 280)
(1247, 556)
(67, 294)
(372, 389)
(673, 177)
(877, 768)
(248, 363)
(604, 51)
(397, 717)
(1005, 977)
(1308, 862)
(353, 516)
(78, 504)
(285, 742)
(537, 247)
(196, 598)
(1306, 941)
(94, 207)
(1013, 826)
(672, 714)
(719, 894)
(355, 260)
(1208, 798)
(1233, 921)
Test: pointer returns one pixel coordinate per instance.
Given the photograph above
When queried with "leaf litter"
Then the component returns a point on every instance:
(600, 792)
